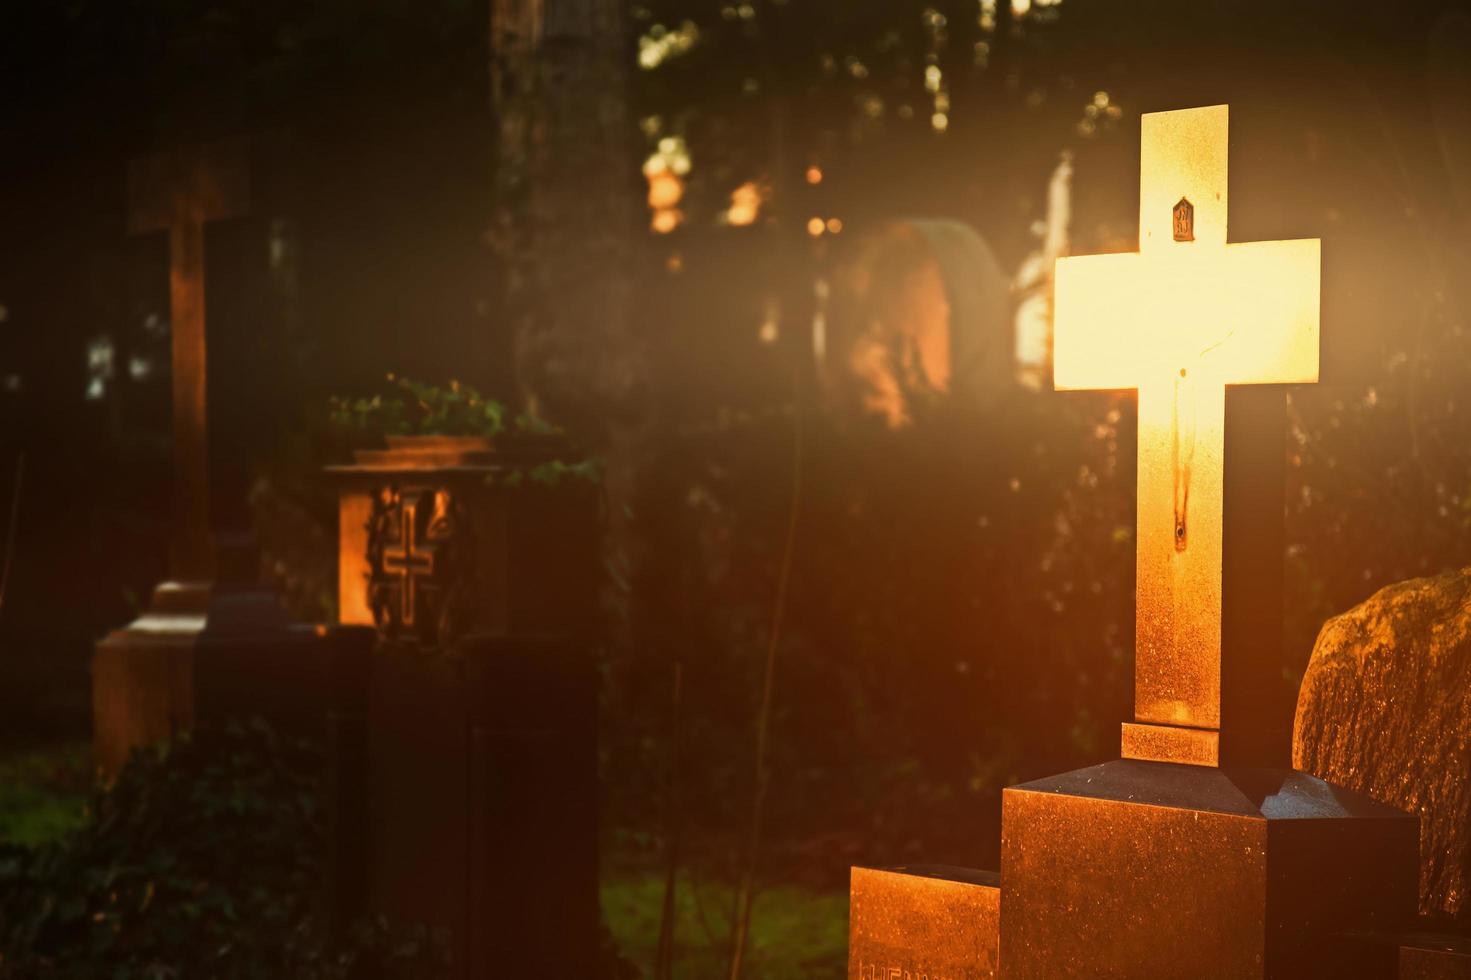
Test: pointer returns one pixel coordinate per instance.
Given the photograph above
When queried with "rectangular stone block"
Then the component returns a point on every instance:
(923, 922)
(207, 656)
(1168, 743)
(1147, 869)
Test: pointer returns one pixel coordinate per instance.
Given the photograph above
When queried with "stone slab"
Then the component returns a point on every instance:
(923, 922)
(200, 656)
(1168, 743)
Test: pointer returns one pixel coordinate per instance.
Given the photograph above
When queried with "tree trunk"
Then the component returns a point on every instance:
(566, 191)
(567, 199)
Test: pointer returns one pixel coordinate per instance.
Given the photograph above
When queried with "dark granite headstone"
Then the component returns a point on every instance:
(465, 747)
(466, 799)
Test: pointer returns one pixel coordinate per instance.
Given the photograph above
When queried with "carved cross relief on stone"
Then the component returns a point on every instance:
(406, 559)
(420, 561)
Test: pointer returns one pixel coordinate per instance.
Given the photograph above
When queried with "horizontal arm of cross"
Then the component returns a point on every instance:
(1239, 314)
(193, 185)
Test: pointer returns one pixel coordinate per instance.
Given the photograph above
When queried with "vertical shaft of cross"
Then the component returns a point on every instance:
(1178, 553)
(191, 547)
(179, 193)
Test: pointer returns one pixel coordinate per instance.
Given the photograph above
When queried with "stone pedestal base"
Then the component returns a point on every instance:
(1146, 869)
(204, 655)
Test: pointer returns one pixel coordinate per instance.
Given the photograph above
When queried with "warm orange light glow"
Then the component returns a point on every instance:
(814, 174)
(834, 225)
(745, 204)
(663, 171)
(816, 226)
(1179, 320)
(665, 190)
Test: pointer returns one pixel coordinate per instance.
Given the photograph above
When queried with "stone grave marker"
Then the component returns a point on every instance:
(921, 305)
(212, 643)
(179, 193)
(1196, 854)
(1385, 709)
(465, 745)
(1194, 324)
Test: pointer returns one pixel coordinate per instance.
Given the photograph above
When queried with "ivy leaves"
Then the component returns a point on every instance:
(413, 408)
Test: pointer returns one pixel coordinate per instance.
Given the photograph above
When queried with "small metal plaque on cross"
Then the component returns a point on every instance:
(1184, 221)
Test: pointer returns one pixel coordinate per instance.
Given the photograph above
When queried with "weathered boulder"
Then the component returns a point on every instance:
(1385, 709)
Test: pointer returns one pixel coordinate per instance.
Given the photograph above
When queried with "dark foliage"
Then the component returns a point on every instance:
(959, 617)
(415, 408)
(203, 859)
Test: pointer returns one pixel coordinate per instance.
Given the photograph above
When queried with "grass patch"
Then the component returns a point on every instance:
(44, 791)
(796, 933)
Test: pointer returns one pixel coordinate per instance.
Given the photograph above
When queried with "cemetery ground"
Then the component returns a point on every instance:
(800, 930)
(43, 791)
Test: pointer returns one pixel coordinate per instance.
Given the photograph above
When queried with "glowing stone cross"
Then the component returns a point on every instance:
(1180, 320)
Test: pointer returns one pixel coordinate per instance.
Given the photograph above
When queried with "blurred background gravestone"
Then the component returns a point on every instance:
(464, 748)
(918, 311)
(212, 644)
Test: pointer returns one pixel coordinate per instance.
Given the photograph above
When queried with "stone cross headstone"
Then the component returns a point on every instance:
(1198, 853)
(210, 646)
(180, 192)
(1184, 320)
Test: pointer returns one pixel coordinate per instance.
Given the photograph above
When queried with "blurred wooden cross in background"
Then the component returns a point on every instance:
(178, 192)
(1181, 320)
